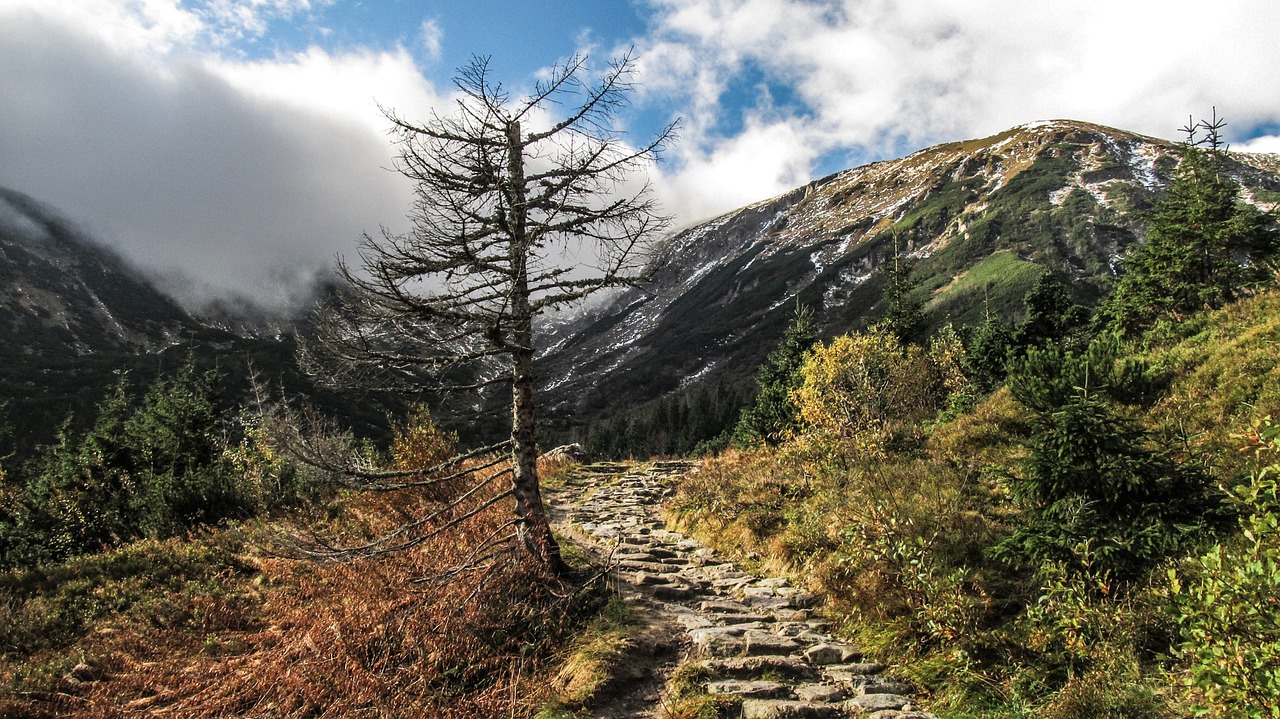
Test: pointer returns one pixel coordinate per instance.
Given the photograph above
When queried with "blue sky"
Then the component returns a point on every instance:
(237, 144)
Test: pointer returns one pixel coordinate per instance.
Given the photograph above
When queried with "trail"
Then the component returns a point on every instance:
(757, 638)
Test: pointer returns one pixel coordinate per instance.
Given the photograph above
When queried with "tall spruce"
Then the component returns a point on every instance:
(1051, 314)
(904, 313)
(1204, 248)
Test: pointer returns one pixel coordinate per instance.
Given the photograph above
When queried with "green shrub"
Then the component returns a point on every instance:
(154, 467)
(1229, 615)
(1097, 498)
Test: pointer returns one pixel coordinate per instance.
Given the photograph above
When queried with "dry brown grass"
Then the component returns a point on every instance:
(304, 639)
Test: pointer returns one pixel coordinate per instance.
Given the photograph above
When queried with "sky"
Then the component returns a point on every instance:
(237, 146)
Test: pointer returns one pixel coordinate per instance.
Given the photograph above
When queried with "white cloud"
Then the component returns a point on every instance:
(432, 38)
(878, 78)
(1265, 143)
(250, 176)
(142, 119)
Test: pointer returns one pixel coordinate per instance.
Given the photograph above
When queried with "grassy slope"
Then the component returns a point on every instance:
(211, 626)
(899, 546)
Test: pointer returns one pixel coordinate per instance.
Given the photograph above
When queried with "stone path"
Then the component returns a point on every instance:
(757, 638)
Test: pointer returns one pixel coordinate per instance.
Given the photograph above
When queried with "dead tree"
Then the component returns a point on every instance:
(521, 206)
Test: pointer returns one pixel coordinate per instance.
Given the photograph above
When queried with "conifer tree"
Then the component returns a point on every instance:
(1096, 496)
(904, 314)
(773, 414)
(1051, 313)
(1204, 246)
(987, 353)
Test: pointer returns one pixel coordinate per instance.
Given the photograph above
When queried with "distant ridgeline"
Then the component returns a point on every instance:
(974, 224)
(75, 317)
(956, 233)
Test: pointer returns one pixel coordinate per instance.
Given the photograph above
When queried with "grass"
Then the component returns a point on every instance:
(1000, 278)
(210, 626)
(687, 697)
(591, 663)
(899, 547)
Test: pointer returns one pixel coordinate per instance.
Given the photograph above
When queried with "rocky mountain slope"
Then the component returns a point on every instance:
(980, 219)
(75, 317)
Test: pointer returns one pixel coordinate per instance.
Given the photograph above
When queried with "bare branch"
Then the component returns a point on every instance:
(500, 195)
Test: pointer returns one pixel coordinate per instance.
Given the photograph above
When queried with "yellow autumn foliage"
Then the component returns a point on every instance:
(866, 389)
(417, 443)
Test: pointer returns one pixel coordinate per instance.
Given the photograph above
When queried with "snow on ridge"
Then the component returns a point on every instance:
(1042, 124)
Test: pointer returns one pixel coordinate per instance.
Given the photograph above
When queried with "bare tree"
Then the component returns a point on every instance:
(522, 206)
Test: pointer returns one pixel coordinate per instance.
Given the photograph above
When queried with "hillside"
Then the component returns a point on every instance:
(979, 217)
(75, 317)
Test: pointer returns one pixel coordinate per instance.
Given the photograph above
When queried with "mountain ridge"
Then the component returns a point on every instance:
(980, 218)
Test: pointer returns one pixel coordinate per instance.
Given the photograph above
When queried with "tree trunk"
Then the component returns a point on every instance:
(533, 525)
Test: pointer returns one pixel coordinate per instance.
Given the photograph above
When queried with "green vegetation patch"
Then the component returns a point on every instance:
(998, 283)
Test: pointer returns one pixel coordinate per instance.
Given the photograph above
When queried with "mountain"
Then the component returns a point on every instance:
(981, 219)
(75, 317)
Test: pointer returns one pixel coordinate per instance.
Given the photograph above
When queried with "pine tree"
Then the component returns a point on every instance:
(1204, 247)
(904, 314)
(773, 414)
(987, 354)
(1096, 496)
(1051, 313)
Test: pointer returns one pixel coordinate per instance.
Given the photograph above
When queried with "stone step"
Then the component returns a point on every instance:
(868, 703)
(827, 654)
(759, 689)
(791, 709)
(786, 667)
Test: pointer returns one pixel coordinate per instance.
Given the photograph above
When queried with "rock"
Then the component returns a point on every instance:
(733, 630)
(879, 685)
(823, 654)
(84, 673)
(762, 642)
(672, 592)
(784, 709)
(740, 618)
(724, 607)
(718, 645)
(767, 603)
(792, 615)
(848, 673)
(827, 653)
(820, 693)
(749, 689)
(654, 567)
(642, 578)
(868, 703)
(573, 452)
(790, 668)
(790, 629)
